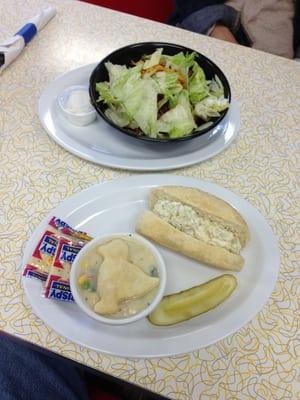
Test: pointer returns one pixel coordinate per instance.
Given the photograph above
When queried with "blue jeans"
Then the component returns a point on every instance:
(26, 374)
(200, 21)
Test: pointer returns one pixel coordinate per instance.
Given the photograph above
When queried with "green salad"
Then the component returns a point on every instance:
(162, 96)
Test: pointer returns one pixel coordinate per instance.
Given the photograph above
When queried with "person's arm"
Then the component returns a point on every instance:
(220, 31)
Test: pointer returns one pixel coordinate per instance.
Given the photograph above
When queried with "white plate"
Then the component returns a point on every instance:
(114, 207)
(102, 144)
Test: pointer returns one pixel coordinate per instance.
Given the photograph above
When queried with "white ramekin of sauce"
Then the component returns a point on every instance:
(75, 105)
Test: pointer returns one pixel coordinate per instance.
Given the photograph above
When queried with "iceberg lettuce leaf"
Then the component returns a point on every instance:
(216, 88)
(181, 63)
(105, 94)
(122, 87)
(180, 60)
(168, 86)
(117, 116)
(141, 105)
(154, 59)
(197, 85)
(115, 71)
(210, 107)
(178, 121)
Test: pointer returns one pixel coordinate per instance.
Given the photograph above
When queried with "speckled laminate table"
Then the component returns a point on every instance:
(261, 360)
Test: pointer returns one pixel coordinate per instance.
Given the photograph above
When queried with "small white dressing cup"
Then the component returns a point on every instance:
(79, 118)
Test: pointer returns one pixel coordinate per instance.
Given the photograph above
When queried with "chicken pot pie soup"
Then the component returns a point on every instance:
(118, 277)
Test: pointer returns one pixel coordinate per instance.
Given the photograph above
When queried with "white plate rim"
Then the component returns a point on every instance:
(215, 146)
(185, 345)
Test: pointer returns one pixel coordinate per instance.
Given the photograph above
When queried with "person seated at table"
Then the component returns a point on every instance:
(268, 25)
(26, 374)
(31, 373)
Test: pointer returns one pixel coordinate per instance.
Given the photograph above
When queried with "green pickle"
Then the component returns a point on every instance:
(189, 303)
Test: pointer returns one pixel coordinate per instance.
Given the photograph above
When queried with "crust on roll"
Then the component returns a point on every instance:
(186, 219)
(205, 204)
(155, 228)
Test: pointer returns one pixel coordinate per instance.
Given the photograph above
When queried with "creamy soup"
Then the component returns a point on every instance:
(118, 278)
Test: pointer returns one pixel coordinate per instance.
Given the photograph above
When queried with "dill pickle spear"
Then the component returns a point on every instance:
(182, 306)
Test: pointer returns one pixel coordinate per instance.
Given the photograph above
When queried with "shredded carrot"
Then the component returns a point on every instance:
(156, 68)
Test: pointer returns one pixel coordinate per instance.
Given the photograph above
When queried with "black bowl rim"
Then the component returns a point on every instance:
(144, 137)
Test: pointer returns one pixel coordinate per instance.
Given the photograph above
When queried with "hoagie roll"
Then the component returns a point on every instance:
(195, 224)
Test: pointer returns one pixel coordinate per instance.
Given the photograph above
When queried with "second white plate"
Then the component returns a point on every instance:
(114, 207)
(102, 144)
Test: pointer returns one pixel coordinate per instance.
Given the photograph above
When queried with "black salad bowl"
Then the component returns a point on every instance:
(134, 52)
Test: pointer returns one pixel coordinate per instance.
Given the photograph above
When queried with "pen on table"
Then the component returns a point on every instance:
(12, 47)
